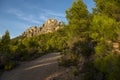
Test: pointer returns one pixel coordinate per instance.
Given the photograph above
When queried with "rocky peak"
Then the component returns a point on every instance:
(50, 25)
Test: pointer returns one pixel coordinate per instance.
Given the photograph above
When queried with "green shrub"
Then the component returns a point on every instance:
(75, 72)
(10, 65)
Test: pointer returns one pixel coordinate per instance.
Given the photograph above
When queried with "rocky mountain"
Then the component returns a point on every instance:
(50, 25)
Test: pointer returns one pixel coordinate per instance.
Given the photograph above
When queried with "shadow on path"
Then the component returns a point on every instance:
(40, 69)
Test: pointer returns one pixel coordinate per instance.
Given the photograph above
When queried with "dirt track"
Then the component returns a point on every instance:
(42, 68)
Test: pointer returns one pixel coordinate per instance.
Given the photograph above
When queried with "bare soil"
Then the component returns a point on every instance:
(43, 68)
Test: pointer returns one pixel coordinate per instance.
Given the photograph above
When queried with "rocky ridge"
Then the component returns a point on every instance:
(49, 26)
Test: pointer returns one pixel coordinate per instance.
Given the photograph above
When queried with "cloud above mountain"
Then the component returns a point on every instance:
(43, 15)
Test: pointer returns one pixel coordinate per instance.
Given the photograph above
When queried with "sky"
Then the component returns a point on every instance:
(18, 15)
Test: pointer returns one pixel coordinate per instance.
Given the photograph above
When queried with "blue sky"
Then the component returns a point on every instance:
(18, 15)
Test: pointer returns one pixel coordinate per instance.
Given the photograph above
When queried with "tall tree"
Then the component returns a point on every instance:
(5, 41)
(77, 15)
(109, 7)
(6, 38)
(104, 27)
(5, 49)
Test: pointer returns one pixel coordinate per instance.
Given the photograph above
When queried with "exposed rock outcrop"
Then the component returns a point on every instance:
(50, 25)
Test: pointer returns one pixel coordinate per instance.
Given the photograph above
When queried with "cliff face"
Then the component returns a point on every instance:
(50, 25)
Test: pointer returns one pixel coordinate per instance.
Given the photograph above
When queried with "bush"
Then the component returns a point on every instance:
(75, 72)
(68, 59)
(10, 65)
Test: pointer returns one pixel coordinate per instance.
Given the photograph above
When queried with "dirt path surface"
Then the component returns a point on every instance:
(42, 68)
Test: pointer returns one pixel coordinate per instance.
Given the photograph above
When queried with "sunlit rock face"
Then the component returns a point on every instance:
(49, 26)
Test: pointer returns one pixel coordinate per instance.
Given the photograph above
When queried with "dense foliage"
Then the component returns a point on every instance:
(94, 53)
(21, 49)
(87, 43)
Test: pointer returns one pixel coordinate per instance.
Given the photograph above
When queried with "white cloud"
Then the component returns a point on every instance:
(37, 17)
(24, 16)
(30, 19)
(15, 12)
(46, 14)
(49, 12)
(43, 17)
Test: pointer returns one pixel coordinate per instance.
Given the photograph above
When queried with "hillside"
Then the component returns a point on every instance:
(89, 44)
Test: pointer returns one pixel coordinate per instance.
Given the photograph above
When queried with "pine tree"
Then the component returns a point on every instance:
(5, 42)
(77, 15)
(109, 7)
